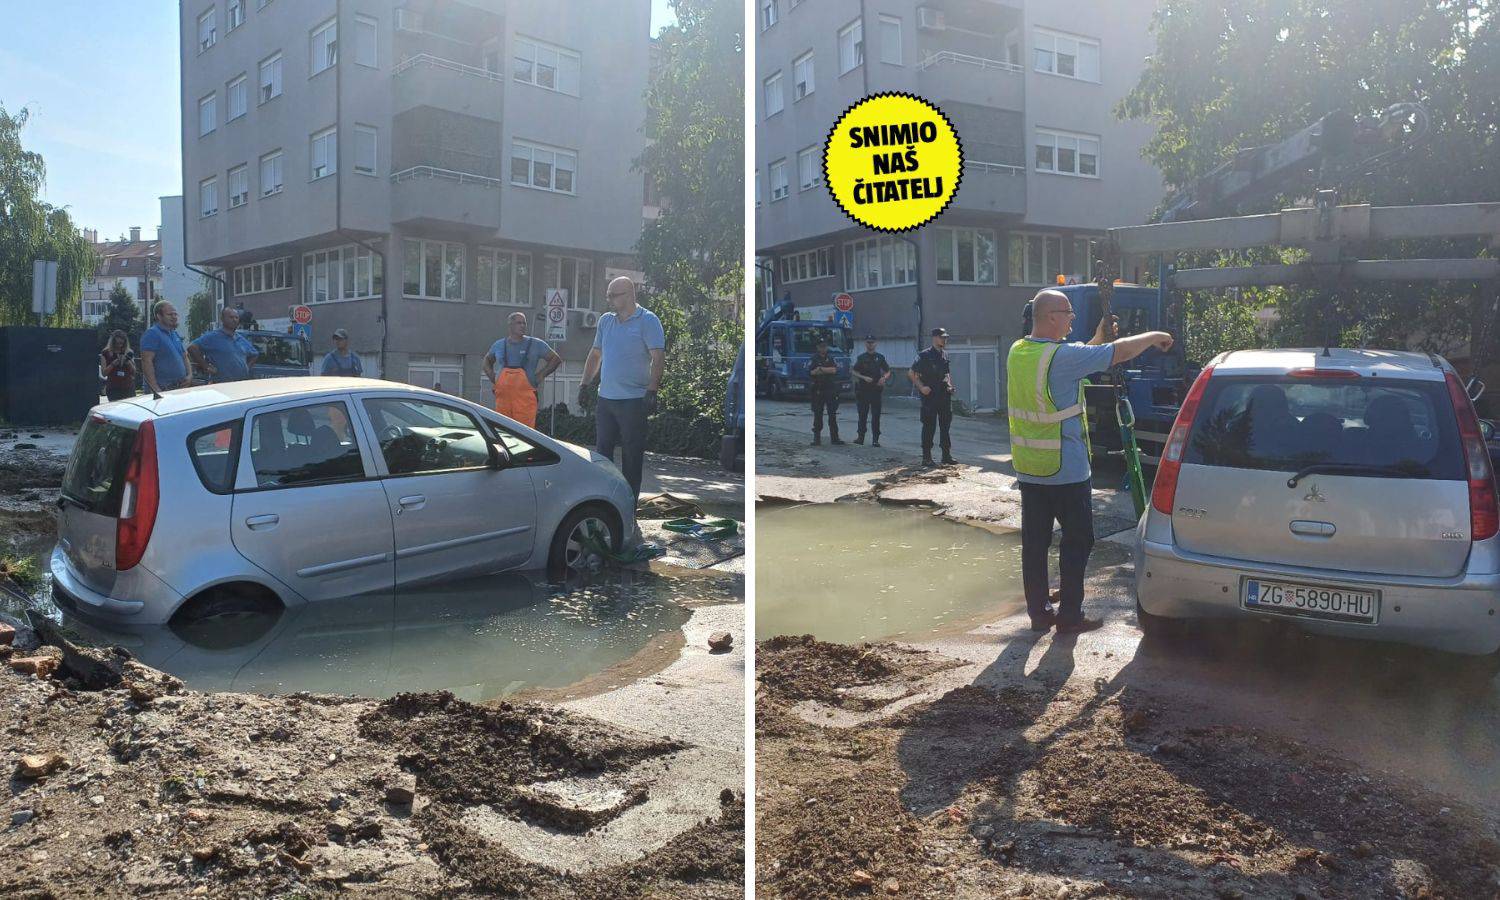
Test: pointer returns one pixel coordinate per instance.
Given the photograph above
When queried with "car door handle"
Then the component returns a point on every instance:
(1311, 528)
(416, 501)
(263, 523)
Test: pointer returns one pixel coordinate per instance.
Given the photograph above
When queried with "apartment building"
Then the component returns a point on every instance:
(132, 263)
(1029, 86)
(415, 171)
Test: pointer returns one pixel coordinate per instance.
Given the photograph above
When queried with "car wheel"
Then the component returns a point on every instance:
(571, 550)
(232, 601)
(1155, 627)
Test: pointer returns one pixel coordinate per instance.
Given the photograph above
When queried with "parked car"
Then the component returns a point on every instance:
(1347, 491)
(293, 490)
(278, 355)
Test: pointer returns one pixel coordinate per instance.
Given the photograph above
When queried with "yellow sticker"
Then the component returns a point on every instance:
(893, 162)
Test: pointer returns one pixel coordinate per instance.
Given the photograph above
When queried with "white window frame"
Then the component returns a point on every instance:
(530, 57)
(770, 13)
(366, 41)
(208, 30)
(757, 189)
(809, 173)
(807, 265)
(329, 137)
(208, 197)
(240, 174)
(270, 65)
(532, 152)
(1085, 247)
(440, 367)
(1059, 141)
(277, 160)
(854, 32)
(1044, 274)
(954, 261)
(773, 94)
(885, 22)
(366, 138)
(580, 290)
(239, 87)
(442, 251)
(779, 186)
(325, 38)
(208, 114)
(1049, 45)
(901, 255)
(234, 15)
(331, 265)
(804, 72)
(489, 295)
(262, 277)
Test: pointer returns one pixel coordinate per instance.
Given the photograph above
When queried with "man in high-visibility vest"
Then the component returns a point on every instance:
(1050, 449)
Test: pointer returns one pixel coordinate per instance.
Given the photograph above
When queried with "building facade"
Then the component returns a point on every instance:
(1030, 87)
(132, 263)
(415, 171)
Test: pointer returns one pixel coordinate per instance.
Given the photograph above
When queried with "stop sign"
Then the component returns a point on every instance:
(843, 302)
(302, 315)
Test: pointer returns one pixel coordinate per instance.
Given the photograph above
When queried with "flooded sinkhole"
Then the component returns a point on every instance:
(848, 572)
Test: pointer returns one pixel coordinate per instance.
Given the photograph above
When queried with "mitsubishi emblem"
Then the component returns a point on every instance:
(1314, 496)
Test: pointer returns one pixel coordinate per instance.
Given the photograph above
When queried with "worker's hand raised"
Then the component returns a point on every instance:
(1108, 330)
(1163, 341)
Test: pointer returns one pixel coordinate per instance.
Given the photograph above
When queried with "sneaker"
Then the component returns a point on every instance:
(836, 441)
(948, 460)
(875, 443)
(1079, 626)
(1045, 622)
(859, 439)
(927, 463)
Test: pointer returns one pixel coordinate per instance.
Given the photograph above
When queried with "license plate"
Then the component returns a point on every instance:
(1311, 601)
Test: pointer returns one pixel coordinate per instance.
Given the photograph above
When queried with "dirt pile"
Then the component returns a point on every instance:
(790, 669)
(30, 470)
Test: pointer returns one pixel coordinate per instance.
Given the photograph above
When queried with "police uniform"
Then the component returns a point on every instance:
(824, 394)
(868, 394)
(931, 367)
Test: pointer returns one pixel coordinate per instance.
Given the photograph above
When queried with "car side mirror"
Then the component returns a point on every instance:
(1487, 429)
(499, 457)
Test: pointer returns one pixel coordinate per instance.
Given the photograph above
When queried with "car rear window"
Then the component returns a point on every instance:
(95, 478)
(215, 453)
(1406, 428)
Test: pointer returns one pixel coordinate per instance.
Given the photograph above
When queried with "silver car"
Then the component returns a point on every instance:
(1347, 491)
(293, 490)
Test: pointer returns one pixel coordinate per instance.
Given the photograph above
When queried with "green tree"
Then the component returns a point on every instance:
(200, 314)
(124, 314)
(31, 229)
(1231, 74)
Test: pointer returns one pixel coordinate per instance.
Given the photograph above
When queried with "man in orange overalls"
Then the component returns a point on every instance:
(524, 361)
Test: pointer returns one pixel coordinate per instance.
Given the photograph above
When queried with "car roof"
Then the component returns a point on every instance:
(209, 395)
(1387, 363)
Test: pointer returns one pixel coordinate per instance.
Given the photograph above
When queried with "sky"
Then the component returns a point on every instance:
(100, 81)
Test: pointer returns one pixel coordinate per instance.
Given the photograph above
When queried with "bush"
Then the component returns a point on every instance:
(666, 432)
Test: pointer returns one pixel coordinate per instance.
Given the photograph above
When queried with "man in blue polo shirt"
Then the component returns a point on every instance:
(224, 353)
(629, 355)
(164, 365)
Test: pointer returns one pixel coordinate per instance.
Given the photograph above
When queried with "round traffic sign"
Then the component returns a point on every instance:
(302, 315)
(843, 302)
(555, 315)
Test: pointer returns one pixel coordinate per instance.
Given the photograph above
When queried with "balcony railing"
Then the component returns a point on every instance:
(989, 168)
(437, 62)
(952, 57)
(446, 175)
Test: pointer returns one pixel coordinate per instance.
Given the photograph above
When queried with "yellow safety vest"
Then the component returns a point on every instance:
(1035, 420)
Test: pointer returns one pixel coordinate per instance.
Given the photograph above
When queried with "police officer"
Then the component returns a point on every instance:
(824, 392)
(929, 373)
(871, 372)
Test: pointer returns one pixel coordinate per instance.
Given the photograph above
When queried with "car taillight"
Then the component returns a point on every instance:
(1484, 507)
(1164, 490)
(1323, 373)
(139, 501)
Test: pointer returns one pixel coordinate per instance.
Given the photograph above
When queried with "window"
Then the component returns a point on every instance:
(802, 76)
(323, 47)
(778, 180)
(807, 168)
(215, 451)
(208, 31)
(890, 40)
(561, 387)
(967, 256)
(1085, 251)
(238, 93)
(325, 152)
(439, 372)
(208, 197)
(270, 78)
(548, 66)
(1035, 259)
(770, 13)
(365, 141)
(851, 46)
(573, 274)
(807, 265)
(257, 278)
(239, 186)
(1067, 154)
(313, 444)
(433, 270)
(270, 173)
(366, 33)
(236, 14)
(879, 263)
(418, 436)
(350, 272)
(1066, 55)
(775, 103)
(503, 277)
(208, 114)
(543, 167)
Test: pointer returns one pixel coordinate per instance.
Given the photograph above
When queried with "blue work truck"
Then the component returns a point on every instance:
(783, 349)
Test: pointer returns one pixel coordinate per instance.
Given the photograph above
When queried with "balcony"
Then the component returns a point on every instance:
(442, 83)
(978, 80)
(992, 187)
(427, 195)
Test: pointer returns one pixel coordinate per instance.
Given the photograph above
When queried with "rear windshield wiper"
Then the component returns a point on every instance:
(1347, 469)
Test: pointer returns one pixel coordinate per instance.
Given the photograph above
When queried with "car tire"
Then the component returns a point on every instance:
(229, 600)
(566, 553)
(1155, 627)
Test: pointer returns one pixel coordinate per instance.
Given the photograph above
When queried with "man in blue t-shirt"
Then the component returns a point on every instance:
(224, 353)
(629, 356)
(342, 361)
(164, 364)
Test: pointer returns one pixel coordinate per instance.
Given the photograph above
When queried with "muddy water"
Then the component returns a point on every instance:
(849, 572)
